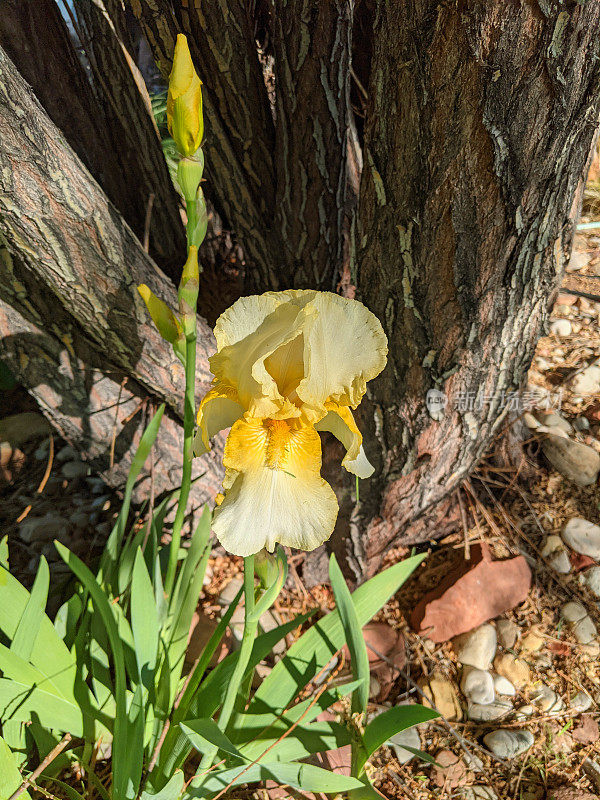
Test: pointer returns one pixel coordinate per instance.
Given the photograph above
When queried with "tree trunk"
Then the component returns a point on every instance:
(479, 126)
(312, 73)
(73, 324)
(102, 115)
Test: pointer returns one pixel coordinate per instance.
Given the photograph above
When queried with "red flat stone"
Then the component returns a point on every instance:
(472, 593)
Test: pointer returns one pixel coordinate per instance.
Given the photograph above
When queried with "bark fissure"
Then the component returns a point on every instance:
(70, 245)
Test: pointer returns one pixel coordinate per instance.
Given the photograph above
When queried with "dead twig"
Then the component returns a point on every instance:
(54, 753)
(44, 480)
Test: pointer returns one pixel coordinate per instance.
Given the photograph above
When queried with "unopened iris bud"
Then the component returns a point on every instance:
(165, 320)
(266, 568)
(184, 101)
(189, 175)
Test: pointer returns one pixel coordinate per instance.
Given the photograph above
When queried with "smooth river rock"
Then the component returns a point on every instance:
(476, 648)
(592, 580)
(490, 712)
(576, 461)
(508, 743)
(513, 669)
(477, 685)
(583, 537)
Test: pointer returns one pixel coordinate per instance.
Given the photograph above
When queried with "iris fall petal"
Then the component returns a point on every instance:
(278, 494)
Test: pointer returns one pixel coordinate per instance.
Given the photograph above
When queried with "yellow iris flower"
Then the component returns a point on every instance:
(288, 364)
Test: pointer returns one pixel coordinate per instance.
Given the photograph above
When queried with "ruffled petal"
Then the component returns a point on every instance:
(344, 347)
(218, 410)
(243, 365)
(244, 317)
(248, 313)
(278, 494)
(340, 422)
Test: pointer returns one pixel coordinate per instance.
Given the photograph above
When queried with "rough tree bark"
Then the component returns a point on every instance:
(106, 122)
(73, 324)
(133, 131)
(479, 126)
(312, 72)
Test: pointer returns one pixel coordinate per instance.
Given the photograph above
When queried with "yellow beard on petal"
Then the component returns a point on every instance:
(278, 442)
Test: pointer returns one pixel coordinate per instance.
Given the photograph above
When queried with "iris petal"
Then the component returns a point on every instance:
(278, 494)
(242, 365)
(340, 422)
(218, 410)
(344, 347)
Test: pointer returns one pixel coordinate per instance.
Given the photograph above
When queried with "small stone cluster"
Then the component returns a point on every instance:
(495, 671)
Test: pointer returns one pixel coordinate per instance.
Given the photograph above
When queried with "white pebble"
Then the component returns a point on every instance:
(582, 536)
(477, 685)
(508, 744)
(503, 686)
(477, 712)
(476, 648)
(592, 580)
(561, 327)
(581, 702)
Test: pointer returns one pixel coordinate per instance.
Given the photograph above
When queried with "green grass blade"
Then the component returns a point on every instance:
(304, 777)
(22, 701)
(10, 777)
(67, 790)
(110, 556)
(205, 659)
(120, 777)
(4, 552)
(304, 741)
(29, 625)
(133, 758)
(19, 669)
(171, 791)
(198, 545)
(175, 740)
(359, 658)
(50, 654)
(204, 733)
(144, 622)
(45, 742)
(390, 722)
(210, 695)
(254, 727)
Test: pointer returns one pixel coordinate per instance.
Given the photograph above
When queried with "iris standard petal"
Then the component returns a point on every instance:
(244, 317)
(242, 365)
(218, 410)
(278, 494)
(248, 313)
(344, 347)
(340, 422)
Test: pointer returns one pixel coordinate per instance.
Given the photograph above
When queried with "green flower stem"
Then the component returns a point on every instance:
(250, 628)
(189, 414)
(188, 455)
(190, 207)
